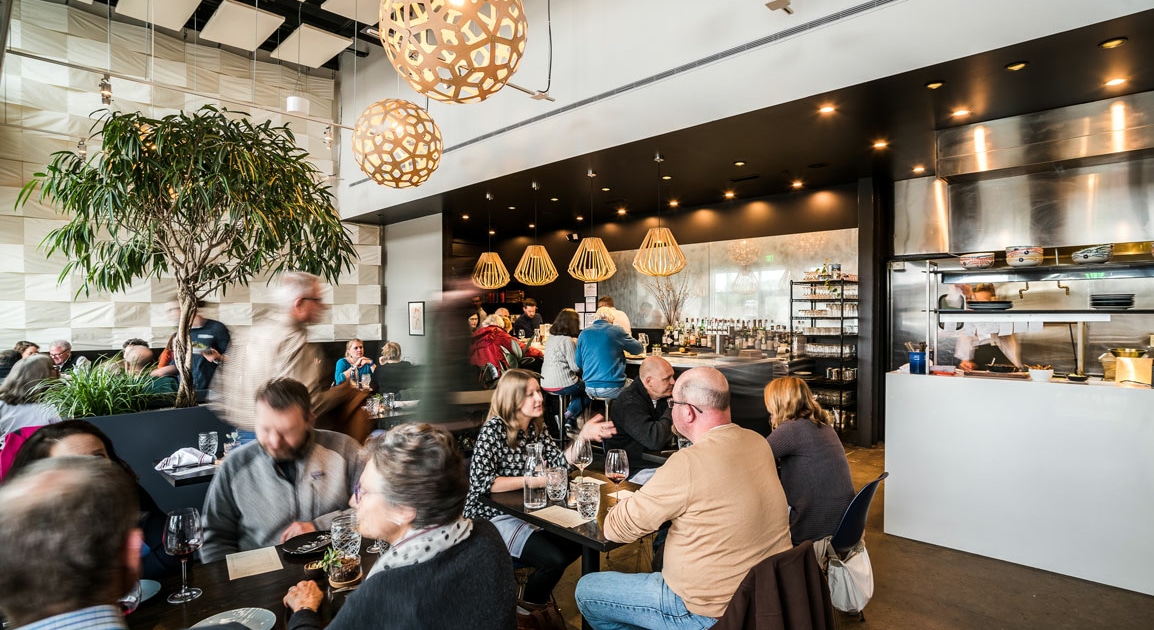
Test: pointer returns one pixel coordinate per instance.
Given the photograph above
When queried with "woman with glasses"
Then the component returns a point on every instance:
(354, 365)
(441, 570)
(499, 465)
(814, 469)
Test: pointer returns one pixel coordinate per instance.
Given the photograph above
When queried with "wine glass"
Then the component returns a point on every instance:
(616, 469)
(582, 456)
(182, 537)
(131, 600)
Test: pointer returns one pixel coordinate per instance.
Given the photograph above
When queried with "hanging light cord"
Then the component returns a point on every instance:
(659, 160)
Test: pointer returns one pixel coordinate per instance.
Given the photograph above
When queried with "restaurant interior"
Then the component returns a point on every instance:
(804, 155)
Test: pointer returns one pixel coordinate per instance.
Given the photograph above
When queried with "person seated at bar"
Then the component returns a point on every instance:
(394, 374)
(71, 545)
(529, 321)
(727, 510)
(26, 349)
(600, 355)
(814, 469)
(354, 365)
(979, 345)
(559, 371)
(642, 415)
(498, 465)
(488, 341)
(61, 353)
(294, 480)
(19, 406)
(441, 570)
(78, 438)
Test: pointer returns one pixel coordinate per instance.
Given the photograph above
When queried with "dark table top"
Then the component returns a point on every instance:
(266, 590)
(187, 476)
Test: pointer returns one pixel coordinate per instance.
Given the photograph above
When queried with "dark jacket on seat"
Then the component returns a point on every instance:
(784, 592)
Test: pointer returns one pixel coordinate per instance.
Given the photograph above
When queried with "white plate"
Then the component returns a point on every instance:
(148, 588)
(251, 618)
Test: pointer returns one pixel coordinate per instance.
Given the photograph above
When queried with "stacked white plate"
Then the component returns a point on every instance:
(1112, 301)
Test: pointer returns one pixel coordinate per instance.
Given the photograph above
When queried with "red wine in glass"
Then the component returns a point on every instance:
(182, 537)
(617, 469)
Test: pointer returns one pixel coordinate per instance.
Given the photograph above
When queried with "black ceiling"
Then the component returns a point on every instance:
(793, 141)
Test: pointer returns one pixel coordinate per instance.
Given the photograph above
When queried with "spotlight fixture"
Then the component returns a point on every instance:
(532, 226)
(512, 207)
(666, 177)
(328, 136)
(580, 218)
(605, 189)
(106, 89)
(780, 5)
(826, 109)
(933, 85)
(621, 212)
(492, 232)
(1115, 82)
(729, 194)
(739, 163)
(798, 184)
(465, 217)
(1017, 65)
(881, 144)
(1113, 42)
(919, 169)
(960, 113)
(554, 199)
(82, 149)
(673, 203)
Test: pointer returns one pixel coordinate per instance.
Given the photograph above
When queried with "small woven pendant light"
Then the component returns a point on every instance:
(536, 268)
(490, 272)
(591, 263)
(659, 255)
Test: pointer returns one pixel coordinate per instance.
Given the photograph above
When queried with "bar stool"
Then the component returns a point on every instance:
(607, 417)
(563, 401)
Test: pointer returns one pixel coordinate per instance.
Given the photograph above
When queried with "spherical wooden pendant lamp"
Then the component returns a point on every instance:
(659, 255)
(455, 51)
(536, 267)
(591, 262)
(490, 272)
(396, 143)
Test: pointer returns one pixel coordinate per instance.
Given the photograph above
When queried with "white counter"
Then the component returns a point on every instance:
(1057, 476)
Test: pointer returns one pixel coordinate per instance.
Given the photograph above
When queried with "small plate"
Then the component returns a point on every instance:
(309, 544)
(251, 618)
(148, 588)
(802, 374)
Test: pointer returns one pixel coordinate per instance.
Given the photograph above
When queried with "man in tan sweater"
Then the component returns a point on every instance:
(728, 512)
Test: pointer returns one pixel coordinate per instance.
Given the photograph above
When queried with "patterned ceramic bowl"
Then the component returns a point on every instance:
(977, 261)
(1024, 256)
(1097, 254)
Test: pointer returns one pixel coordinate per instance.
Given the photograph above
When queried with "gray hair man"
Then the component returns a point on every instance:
(727, 510)
(71, 545)
(619, 317)
(272, 349)
(60, 351)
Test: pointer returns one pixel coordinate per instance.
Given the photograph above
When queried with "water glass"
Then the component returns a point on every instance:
(345, 536)
(207, 443)
(557, 483)
(588, 499)
(367, 381)
(388, 401)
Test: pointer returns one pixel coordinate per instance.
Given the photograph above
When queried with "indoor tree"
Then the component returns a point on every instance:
(209, 197)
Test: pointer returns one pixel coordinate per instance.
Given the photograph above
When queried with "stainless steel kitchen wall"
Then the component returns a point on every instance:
(921, 217)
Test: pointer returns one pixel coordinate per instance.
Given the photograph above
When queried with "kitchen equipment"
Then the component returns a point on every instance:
(1024, 256)
(1077, 378)
(917, 362)
(1041, 376)
(992, 305)
(1093, 255)
(1129, 353)
(977, 261)
(1134, 370)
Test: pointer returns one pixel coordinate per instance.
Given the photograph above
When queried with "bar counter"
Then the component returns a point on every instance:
(1056, 476)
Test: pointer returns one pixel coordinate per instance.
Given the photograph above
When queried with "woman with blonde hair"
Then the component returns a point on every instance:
(499, 465)
(395, 374)
(813, 467)
(354, 365)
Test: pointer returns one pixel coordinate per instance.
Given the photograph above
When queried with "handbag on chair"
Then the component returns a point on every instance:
(851, 581)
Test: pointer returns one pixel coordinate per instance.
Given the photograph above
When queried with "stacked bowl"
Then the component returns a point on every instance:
(1024, 256)
(1091, 255)
(977, 261)
(1112, 301)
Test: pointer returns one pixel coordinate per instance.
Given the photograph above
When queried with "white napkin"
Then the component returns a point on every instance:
(561, 516)
(186, 456)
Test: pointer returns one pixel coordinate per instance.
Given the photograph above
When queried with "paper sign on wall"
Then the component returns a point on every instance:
(591, 289)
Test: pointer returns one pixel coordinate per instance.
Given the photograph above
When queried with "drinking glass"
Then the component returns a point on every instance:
(182, 537)
(388, 400)
(644, 339)
(346, 537)
(588, 499)
(131, 600)
(207, 442)
(367, 381)
(582, 456)
(616, 469)
(557, 483)
(378, 546)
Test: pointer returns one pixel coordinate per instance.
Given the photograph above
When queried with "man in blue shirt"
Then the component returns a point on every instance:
(601, 352)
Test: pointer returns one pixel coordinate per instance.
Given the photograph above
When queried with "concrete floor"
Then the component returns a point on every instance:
(926, 587)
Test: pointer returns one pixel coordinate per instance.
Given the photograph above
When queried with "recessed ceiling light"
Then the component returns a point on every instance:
(826, 109)
(512, 207)
(1113, 42)
(492, 232)
(666, 177)
(580, 218)
(729, 194)
(1115, 81)
(958, 113)
(532, 226)
(919, 169)
(465, 217)
(621, 211)
(797, 183)
(605, 189)
(1017, 65)
(672, 203)
(933, 85)
(554, 199)
(881, 144)
(739, 163)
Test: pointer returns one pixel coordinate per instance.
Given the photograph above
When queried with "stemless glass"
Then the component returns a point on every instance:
(588, 499)
(182, 537)
(346, 537)
(557, 483)
(617, 469)
(207, 442)
(582, 456)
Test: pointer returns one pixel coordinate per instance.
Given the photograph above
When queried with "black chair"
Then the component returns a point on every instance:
(853, 522)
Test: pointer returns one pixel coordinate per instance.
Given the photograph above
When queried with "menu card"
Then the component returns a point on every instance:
(561, 516)
(255, 562)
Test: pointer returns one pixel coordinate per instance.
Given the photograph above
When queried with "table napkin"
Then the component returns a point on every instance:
(186, 456)
(561, 516)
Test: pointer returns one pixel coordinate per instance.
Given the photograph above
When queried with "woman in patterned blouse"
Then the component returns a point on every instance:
(499, 464)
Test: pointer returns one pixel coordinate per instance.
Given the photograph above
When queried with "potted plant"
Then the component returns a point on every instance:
(101, 389)
(208, 197)
(342, 570)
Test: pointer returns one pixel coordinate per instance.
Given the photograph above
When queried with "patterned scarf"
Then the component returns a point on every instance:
(423, 545)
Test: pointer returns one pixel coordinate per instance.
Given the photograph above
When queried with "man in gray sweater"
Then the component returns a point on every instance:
(295, 479)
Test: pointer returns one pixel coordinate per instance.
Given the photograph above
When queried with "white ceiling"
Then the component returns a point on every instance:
(240, 26)
(310, 46)
(363, 11)
(170, 14)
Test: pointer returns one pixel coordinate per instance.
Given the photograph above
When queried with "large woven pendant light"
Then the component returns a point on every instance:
(536, 268)
(455, 51)
(591, 263)
(490, 272)
(659, 255)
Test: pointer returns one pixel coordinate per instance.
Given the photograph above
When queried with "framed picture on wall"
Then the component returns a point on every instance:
(417, 319)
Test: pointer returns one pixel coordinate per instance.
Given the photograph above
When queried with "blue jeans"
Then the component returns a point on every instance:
(577, 401)
(604, 392)
(624, 601)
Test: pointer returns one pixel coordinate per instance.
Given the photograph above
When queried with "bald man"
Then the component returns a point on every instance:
(136, 359)
(728, 513)
(642, 416)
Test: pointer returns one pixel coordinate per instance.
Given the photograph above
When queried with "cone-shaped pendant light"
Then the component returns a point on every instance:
(591, 263)
(490, 272)
(659, 254)
(536, 268)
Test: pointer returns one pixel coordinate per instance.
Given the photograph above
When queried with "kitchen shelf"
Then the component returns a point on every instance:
(1052, 316)
(843, 406)
(1042, 273)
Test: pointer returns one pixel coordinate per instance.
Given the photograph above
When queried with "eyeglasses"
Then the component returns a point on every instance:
(359, 492)
(678, 402)
(58, 355)
(311, 299)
